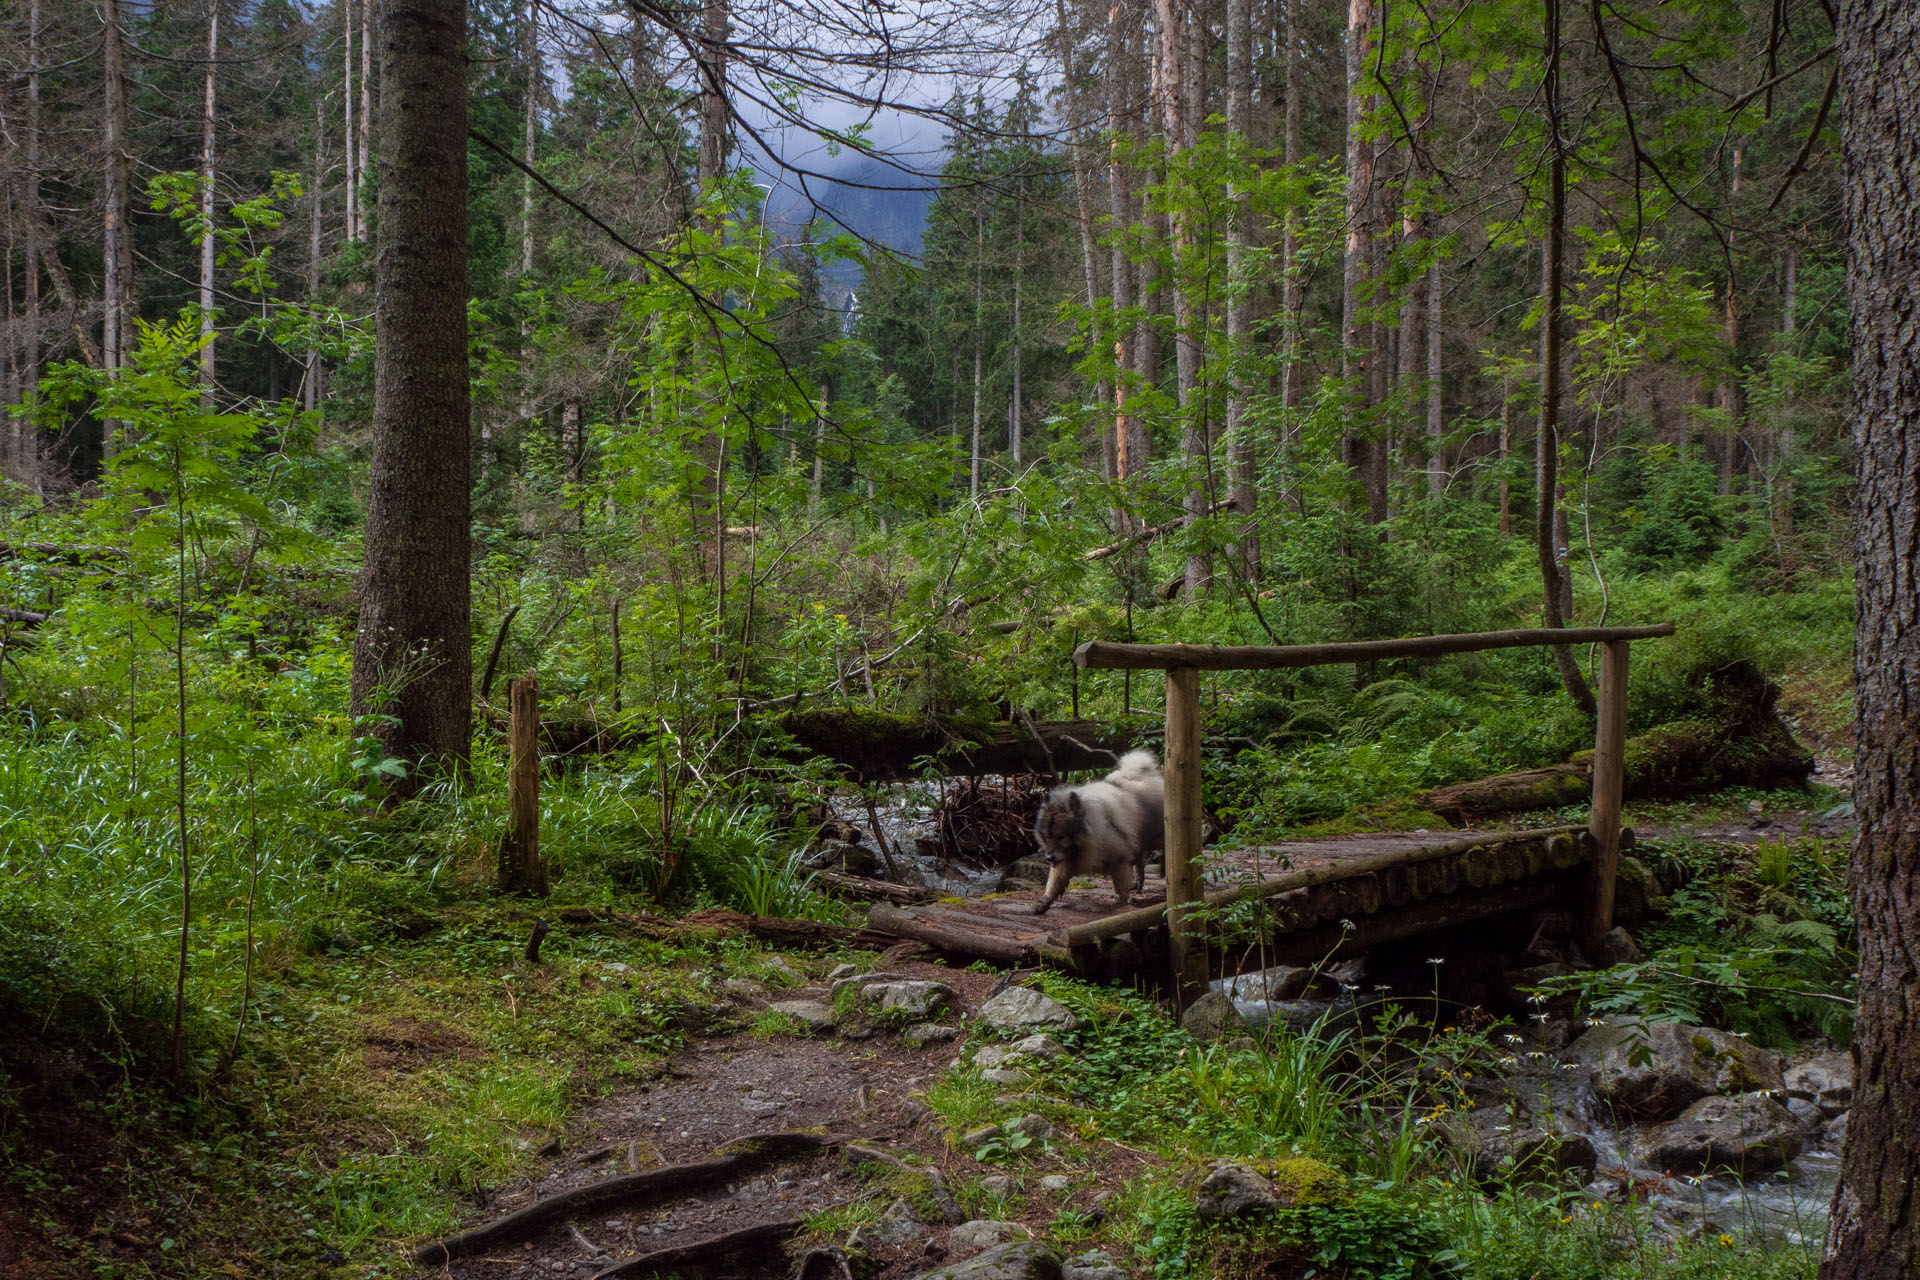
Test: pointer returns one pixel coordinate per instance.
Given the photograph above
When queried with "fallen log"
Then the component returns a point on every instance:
(760, 1236)
(880, 746)
(784, 932)
(868, 890)
(949, 934)
(743, 1155)
(1734, 739)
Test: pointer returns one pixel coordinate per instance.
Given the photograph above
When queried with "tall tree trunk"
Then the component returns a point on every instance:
(310, 386)
(1172, 66)
(1241, 455)
(1129, 439)
(1292, 301)
(1436, 406)
(26, 451)
(1547, 442)
(116, 333)
(349, 153)
(1729, 396)
(531, 132)
(1874, 1230)
(1019, 270)
(1506, 451)
(365, 139)
(1359, 357)
(412, 656)
(973, 448)
(206, 207)
(713, 94)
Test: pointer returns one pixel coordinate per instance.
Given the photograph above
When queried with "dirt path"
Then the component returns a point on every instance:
(866, 1088)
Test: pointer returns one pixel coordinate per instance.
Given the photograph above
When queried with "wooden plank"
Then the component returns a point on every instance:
(1182, 770)
(1609, 782)
(903, 922)
(1332, 940)
(1213, 657)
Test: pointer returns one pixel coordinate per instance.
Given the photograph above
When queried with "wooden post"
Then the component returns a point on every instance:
(1609, 778)
(1183, 834)
(521, 869)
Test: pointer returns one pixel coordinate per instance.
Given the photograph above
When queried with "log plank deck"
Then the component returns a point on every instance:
(1335, 894)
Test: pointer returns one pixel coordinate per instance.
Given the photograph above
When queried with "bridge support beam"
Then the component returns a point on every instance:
(1186, 935)
(1609, 782)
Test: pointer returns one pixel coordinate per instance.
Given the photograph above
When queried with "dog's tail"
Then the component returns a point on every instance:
(1137, 766)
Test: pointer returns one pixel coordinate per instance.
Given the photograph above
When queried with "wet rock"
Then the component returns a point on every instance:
(1825, 1081)
(1503, 1147)
(1653, 1071)
(896, 1226)
(1282, 982)
(909, 999)
(1834, 1136)
(1095, 1264)
(1806, 1114)
(1212, 1017)
(1018, 1260)
(1020, 1007)
(922, 1034)
(1748, 1134)
(1617, 947)
(812, 1014)
(1235, 1191)
(983, 1233)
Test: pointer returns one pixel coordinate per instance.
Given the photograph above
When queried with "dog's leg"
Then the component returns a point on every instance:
(1058, 877)
(1122, 880)
(1139, 868)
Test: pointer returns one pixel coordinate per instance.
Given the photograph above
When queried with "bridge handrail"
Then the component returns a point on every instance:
(1183, 664)
(1103, 655)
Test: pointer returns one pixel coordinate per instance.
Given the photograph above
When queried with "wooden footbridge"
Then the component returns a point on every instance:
(1305, 900)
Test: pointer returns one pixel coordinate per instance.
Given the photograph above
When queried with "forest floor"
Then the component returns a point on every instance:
(411, 1074)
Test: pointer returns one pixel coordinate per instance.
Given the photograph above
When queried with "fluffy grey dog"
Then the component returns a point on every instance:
(1104, 828)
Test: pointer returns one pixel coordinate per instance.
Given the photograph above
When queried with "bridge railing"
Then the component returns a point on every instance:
(1183, 664)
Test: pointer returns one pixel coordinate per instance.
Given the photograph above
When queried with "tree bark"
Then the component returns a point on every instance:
(531, 131)
(412, 657)
(1240, 450)
(1195, 438)
(310, 385)
(1436, 407)
(348, 152)
(365, 139)
(1874, 1231)
(207, 138)
(117, 246)
(1129, 437)
(1291, 298)
(1547, 442)
(1358, 356)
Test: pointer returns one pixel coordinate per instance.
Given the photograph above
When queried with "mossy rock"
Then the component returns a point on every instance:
(1304, 1182)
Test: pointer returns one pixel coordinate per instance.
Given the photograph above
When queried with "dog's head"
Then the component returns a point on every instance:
(1061, 826)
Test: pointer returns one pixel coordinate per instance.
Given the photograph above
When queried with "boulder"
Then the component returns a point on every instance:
(1056, 1183)
(1017, 1260)
(1282, 982)
(1653, 1071)
(1807, 1115)
(1212, 1017)
(983, 1233)
(922, 1034)
(997, 1185)
(1834, 1136)
(1304, 1182)
(1095, 1264)
(852, 859)
(1041, 1045)
(1009, 1076)
(983, 1135)
(908, 1000)
(1634, 890)
(1616, 947)
(812, 1014)
(1749, 1134)
(1235, 1191)
(897, 1225)
(1825, 1081)
(1500, 1146)
(1036, 1127)
(1018, 1008)
(1029, 872)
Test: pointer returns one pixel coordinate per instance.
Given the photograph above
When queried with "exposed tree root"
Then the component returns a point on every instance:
(740, 1156)
(702, 1251)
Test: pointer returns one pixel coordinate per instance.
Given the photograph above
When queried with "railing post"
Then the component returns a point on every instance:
(521, 869)
(1609, 782)
(1188, 945)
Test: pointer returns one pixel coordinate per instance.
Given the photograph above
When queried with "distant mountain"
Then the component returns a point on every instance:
(895, 217)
